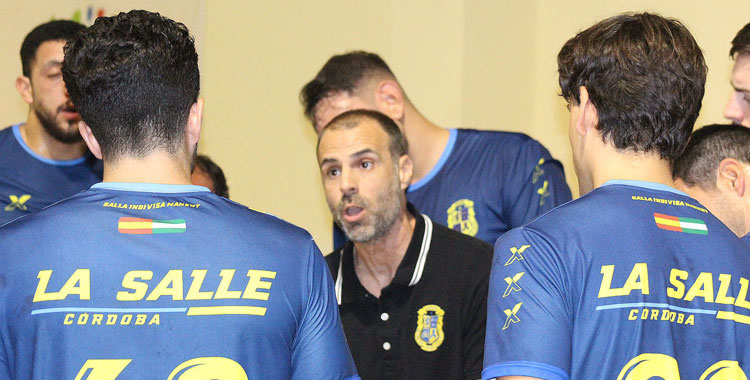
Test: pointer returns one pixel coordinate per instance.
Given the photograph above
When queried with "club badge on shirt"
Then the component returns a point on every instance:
(429, 334)
(461, 217)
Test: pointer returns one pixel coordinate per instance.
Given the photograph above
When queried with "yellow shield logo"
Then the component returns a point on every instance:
(429, 334)
(461, 217)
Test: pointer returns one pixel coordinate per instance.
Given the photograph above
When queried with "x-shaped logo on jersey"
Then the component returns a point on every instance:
(543, 192)
(17, 203)
(513, 284)
(538, 171)
(516, 254)
(511, 315)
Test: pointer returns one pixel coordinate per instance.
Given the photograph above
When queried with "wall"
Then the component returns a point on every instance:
(488, 64)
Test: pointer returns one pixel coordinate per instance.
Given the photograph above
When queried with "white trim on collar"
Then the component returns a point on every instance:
(418, 268)
(338, 286)
(426, 239)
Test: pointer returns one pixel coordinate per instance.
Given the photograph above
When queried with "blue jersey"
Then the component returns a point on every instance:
(29, 182)
(143, 281)
(634, 280)
(487, 182)
(746, 239)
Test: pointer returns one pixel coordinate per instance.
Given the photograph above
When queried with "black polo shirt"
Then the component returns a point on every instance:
(429, 322)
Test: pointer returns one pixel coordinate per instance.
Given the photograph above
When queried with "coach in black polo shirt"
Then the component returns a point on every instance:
(412, 294)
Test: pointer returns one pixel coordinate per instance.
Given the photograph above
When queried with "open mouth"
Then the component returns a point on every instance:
(70, 112)
(352, 213)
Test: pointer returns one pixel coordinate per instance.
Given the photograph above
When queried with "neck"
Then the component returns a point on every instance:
(41, 143)
(157, 167)
(427, 141)
(618, 165)
(378, 261)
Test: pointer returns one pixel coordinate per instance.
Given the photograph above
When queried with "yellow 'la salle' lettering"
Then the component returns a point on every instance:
(255, 282)
(638, 280)
(139, 288)
(195, 293)
(702, 287)
(172, 284)
(223, 291)
(675, 277)
(79, 283)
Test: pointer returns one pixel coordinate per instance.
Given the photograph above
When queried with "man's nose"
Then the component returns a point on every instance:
(349, 184)
(733, 111)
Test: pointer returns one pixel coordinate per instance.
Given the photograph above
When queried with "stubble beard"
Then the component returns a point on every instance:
(47, 119)
(384, 214)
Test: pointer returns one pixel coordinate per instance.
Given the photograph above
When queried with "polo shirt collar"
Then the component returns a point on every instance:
(409, 272)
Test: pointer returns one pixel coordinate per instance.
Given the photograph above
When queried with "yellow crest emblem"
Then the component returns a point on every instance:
(429, 334)
(461, 217)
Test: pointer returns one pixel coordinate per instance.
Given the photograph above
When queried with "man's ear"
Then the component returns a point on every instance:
(389, 99)
(731, 176)
(405, 171)
(23, 85)
(588, 116)
(89, 138)
(194, 123)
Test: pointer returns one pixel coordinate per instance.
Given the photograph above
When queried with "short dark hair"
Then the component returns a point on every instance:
(133, 77)
(741, 42)
(342, 73)
(707, 148)
(215, 173)
(397, 144)
(57, 30)
(645, 75)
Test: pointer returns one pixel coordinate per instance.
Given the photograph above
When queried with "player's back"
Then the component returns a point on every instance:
(157, 281)
(632, 281)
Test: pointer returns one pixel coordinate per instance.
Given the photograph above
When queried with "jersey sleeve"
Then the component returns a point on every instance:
(320, 350)
(529, 321)
(536, 184)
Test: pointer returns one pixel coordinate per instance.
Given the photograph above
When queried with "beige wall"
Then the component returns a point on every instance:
(487, 64)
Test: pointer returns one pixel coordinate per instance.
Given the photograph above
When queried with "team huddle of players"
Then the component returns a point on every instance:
(644, 276)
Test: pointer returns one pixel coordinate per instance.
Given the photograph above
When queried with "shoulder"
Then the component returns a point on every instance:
(498, 139)
(7, 137)
(265, 226)
(459, 248)
(504, 149)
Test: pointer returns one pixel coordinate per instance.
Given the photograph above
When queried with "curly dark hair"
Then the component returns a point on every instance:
(342, 73)
(57, 30)
(133, 77)
(644, 73)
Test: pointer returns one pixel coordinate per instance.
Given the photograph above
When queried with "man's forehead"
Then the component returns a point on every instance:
(49, 53)
(365, 134)
(741, 72)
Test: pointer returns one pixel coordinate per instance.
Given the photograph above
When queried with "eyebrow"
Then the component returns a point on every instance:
(50, 64)
(355, 155)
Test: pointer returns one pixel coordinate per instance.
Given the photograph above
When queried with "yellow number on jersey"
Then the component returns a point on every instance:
(214, 368)
(648, 366)
(103, 369)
